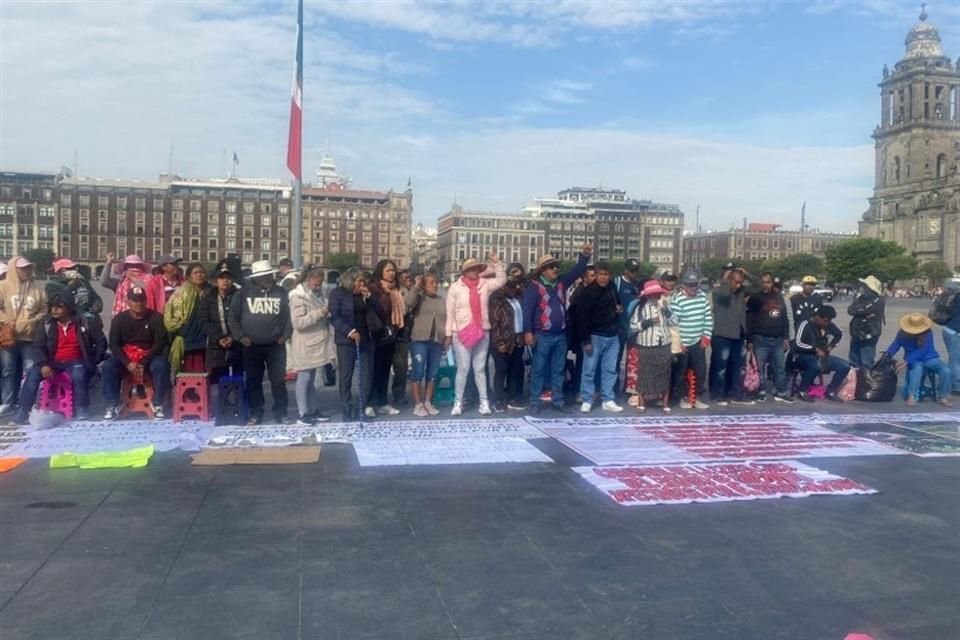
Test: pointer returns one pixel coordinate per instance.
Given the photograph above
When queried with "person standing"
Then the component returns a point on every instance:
(867, 317)
(350, 306)
(573, 298)
(628, 285)
(66, 276)
(468, 326)
(184, 324)
(287, 276)
(223, 353)
(167, 279)
(545, 324)
(816, 339)
(390, 311)
(506, 346)
(651, 323)
(23, 305)
(951, 333)
(260, 321)
(428, 320)
(597, 333)
(769, 330)
(691, 310)
(64, 342)
(401, 354)
(805, 303)
(920, 355)
(133, 273)
(729, 329)
(311, 343)
(138, 344)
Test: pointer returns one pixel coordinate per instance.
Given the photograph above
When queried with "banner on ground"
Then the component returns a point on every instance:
(102, 436)
(465, 450)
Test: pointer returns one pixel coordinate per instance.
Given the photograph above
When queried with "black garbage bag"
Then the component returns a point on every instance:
(879, 383)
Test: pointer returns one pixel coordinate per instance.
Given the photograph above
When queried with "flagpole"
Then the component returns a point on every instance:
(295, 145)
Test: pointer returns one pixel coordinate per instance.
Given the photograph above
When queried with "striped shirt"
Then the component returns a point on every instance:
(654, 335)
(693, 317)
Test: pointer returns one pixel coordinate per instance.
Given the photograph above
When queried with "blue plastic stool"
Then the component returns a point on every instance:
(231, 401)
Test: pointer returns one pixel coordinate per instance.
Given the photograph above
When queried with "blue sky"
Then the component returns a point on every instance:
(746, 109)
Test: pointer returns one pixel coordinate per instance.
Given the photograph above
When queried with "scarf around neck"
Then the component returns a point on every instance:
(476, 309)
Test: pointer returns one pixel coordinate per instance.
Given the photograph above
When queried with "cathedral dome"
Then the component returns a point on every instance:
(923, 41)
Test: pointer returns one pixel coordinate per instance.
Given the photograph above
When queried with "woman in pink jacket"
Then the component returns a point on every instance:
(468, 325)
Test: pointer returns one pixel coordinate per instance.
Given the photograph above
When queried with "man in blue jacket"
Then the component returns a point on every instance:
(545, 325)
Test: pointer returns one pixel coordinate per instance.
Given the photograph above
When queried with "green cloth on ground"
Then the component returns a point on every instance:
(104, 459)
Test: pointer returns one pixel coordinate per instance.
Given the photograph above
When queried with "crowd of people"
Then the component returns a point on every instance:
(634, 341)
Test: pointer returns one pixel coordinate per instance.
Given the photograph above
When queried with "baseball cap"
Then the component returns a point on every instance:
(809, 280)
(137, 294)
(63, 263)
(691, 278)
(632, 264)
(22, 263)
(286, 262)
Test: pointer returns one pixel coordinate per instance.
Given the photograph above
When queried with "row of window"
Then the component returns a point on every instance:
(399, 216)
(27, 193)
(366, 226)
(366, 250)
(195, 206)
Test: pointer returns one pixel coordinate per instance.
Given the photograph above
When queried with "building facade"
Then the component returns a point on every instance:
(916, 196)
(424, 247)
(28, 212)
(618, 227)
(462, 234)
(757, 241)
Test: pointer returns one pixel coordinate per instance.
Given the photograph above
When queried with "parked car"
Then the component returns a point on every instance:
(825, 293)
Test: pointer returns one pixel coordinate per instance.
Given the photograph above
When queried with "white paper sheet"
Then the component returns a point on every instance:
(416, 451)
(92, 437)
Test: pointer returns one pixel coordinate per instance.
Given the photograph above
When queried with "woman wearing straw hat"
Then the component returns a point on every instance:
(468, 326)
(866, 322)
(916, 339)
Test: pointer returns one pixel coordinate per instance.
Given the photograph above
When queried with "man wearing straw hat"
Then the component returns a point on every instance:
(867, 318)
(545, 325)
(920, 356)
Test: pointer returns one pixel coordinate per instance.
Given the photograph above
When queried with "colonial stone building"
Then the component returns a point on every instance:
(757, 241)
(461, 234)
(424, 249)
(916, 198)
(28, 212)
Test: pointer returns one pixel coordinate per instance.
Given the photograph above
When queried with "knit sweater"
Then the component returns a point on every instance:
(693, 315)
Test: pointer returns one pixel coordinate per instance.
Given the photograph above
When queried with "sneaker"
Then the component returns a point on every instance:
(516, 405)
(6, 408)
(612, 406)
(667, 409)
(111, 413)
(633, 400)
(21, 418)
(158, 412)
(369, 412)
(744, 402)
(420, 411)
(432, 410)
(305, 421)
(484, 408)
(721, 403)
(546, 396)
(457, 409)
(833, 397)
(388, 410)
(586, 407)
(685, 404)
(947, 402)
(82, 414)
(499, 407)
(778, 397)
(700, 404)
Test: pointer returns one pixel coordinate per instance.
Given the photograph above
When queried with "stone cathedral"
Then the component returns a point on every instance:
(916, 195)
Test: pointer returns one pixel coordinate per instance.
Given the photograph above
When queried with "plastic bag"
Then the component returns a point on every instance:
(878, 384)
(848, 391)
(751, 374)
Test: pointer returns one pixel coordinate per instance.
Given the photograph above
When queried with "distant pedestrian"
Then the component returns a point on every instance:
(651, 324)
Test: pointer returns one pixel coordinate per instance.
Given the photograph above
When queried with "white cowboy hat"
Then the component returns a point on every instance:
(873, 283)
(261, 268)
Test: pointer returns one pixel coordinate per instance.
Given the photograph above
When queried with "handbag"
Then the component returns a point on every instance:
(751, 375)
(470, 335)
(8, 336)
(383, 334)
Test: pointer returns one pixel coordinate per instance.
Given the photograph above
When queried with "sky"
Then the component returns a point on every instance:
(745, 109)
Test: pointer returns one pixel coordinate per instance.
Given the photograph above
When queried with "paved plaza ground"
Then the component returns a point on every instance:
(470, 552)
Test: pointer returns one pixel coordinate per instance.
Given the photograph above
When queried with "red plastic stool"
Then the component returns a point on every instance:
(191, 397)
(132, 402)
(57, 394)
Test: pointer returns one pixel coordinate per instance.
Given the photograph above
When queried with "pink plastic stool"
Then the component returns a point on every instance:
(57, 394)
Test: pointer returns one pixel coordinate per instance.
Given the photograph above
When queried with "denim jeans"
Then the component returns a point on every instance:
(809, 366)
(14, 362)
(603, 354)
(475, 359)
(951, 340)
(78, 376)
(863, 355)
(726, 365)
(113, 372)
(770, 351)
(425, 358)
(549, 365)
(356, 372)
(915, 377)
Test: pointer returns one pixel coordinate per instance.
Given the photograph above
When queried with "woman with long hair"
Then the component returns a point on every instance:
(468, 325)
(506, 345)
(182, 319)
(427, 337)
(390, 311)
(920, 357)
(311, 347)
(350, 307)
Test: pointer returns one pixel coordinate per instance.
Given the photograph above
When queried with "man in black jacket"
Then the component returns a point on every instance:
(867, 317)
(260, 321)
(66, 342)
(805, 303)
(597, 330)
(769, 329)
(138, 343)
(816, 338)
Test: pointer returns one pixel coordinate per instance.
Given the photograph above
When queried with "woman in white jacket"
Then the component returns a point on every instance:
(311, 344)
(468, 325)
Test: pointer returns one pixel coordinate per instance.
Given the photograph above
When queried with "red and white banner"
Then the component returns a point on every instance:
(295, 137)
(721, 482)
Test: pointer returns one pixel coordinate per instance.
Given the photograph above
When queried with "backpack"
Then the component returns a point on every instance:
(941, 310)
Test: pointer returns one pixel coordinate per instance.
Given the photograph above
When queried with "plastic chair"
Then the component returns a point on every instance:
(132, 401)
(191, 397)
(57, 394)
(444, 391)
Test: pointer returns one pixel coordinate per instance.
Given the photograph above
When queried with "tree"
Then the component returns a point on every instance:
(853, 259)
(342, 261)
(711, 268)
(935, 271)
(794, 267)
(896, 267)
(41, 258)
